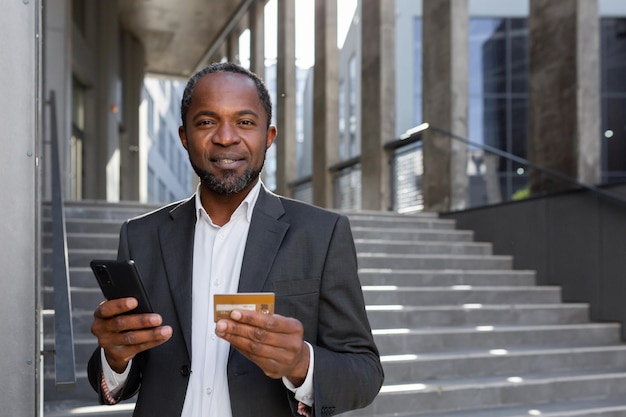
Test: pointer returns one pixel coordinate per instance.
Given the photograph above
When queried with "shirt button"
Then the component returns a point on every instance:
(209, 391)
(216, 283)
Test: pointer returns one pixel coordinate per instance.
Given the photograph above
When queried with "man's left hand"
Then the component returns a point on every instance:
(274, 342)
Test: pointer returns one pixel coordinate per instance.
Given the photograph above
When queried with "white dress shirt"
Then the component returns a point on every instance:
(217, 258)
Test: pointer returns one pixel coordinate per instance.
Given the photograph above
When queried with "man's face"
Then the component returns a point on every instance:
(226, 134)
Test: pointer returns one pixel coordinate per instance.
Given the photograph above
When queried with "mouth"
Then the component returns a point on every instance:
(227, 162)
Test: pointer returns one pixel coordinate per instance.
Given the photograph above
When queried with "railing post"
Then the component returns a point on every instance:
(65, 367)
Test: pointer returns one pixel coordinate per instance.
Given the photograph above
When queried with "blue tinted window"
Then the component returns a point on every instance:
(613, 79)
(498, 89)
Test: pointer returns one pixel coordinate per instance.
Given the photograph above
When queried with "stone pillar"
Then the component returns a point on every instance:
(445, 102)
(564, 91)
(325, 101)
(101, 147)
(58, 77)
(20, 247)
(377, 100)
(286, 97)
(232, 47)
(257, 37)
(133, 74)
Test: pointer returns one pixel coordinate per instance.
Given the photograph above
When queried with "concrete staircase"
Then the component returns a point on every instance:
(92, 232)
(460, 332)
(463, 334)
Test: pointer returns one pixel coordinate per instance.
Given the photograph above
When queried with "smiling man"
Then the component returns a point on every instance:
(314, 356)
(236, 124)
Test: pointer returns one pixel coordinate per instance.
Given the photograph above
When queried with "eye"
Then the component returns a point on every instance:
(204, 122)
(247, 122)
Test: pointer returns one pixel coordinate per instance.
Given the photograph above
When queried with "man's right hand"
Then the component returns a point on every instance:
(123, 336)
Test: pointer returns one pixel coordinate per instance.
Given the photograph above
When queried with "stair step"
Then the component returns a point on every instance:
(85, 225)
(102, 210)
(72, 408)
(81, 322)
(80, 391)
(447, 277)
(433, 261)
(106, 241)
(80, 276)
(82, 298)
(81, 257)
(84, 346)
(420, 399)
(413, 235)
(612, 407)
(376, 216)
(517, 361)
(395, 222)
(602, 407)
(495, 339)
(404, 247)
(468, 296)
(394, 316)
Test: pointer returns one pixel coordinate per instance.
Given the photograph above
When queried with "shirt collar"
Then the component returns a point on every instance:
(247, 205)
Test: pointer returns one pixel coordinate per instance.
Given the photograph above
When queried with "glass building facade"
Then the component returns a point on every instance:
(613, 81)
(498, 102)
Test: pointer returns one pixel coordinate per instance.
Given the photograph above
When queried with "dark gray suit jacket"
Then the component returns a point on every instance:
(306, 256)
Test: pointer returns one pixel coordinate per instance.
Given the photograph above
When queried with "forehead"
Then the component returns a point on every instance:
(226, 85)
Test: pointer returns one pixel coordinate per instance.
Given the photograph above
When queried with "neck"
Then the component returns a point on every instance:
(220, 207)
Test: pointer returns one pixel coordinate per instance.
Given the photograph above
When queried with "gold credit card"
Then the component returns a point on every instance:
(261, 302)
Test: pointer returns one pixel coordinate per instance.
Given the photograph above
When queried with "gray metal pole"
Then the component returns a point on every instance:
(20, 109)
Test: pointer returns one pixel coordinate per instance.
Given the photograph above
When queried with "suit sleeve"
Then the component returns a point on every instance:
(347, 371)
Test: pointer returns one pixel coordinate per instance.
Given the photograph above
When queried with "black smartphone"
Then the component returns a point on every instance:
(120, 279)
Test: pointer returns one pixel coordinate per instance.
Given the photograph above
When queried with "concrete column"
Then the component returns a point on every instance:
(21, 391)
(110, 96)
(232, 47)
(377, 98)
(58, 77)
(445, 102)
(102, 156)
(286, 97)
(257, 37)
(564, 96)
(325, 101)
(133, 74)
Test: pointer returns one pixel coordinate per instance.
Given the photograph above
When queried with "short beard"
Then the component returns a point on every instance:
(229, 183)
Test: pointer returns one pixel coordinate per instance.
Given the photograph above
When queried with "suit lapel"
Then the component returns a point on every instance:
(264, 238)
(176, 237)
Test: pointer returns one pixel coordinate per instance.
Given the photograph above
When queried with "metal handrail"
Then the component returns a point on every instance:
(413, 135)
(64, 363)
(300, 181)
(345, 164)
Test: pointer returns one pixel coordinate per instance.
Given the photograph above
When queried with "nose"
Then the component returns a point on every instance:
(226, 134)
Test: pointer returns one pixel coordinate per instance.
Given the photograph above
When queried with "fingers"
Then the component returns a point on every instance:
(122, 336)
(112, 308)
(110, 317)
(120, 348)
(274, 342)
(273, 330)
(137, 340)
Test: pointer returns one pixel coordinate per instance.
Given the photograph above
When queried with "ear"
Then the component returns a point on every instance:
(271, 136)
(183, 136)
